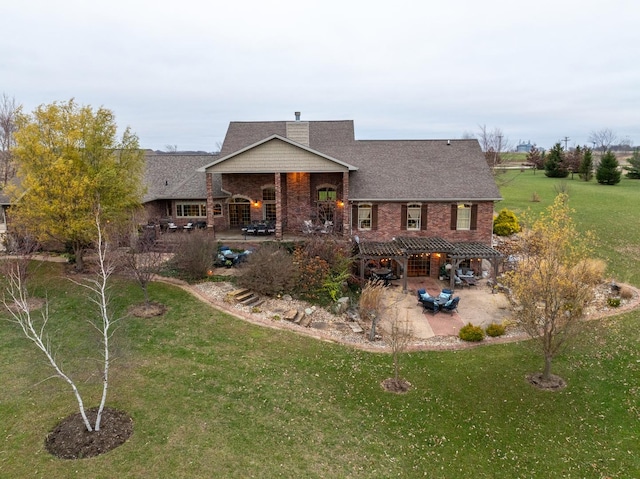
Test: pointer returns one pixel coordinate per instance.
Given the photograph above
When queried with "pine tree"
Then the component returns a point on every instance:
(633, 170)
(608, 172)
(586, 166)
(554, 165)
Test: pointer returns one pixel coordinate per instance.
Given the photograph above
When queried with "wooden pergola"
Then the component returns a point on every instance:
(400, 249)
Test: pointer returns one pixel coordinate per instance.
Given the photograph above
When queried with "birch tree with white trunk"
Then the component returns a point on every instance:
(34, 324)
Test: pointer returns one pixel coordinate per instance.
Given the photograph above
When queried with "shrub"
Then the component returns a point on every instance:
(494, 330)
(535, 197)
(626, 292)
(471, 333)
(613, 302)
(592, 270)
(194, 255)
(269, 270)
(506, 223)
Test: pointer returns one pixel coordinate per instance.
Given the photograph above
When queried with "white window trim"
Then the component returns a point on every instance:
(414, 207)
(463, 223)
(201, 204)
(361, 208)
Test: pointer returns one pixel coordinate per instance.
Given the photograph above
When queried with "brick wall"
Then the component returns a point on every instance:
(438, 224)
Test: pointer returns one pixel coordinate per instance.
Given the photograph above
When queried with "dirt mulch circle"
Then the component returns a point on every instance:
(149, 310)
(554, 383)
(71, 440)
(399, 386)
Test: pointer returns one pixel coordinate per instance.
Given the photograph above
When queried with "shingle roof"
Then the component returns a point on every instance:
(388, 170)
(174, 176)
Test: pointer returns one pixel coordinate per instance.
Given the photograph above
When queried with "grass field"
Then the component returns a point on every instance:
(213, 396)
(611, 212)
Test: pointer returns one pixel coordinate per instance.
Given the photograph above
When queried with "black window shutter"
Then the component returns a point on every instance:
(374, 217)
(474, 217)
(403, 217)
(454, 217)
(354, 217)
(423, 217)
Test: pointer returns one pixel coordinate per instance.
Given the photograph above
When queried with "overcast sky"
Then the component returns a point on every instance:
(177, 72)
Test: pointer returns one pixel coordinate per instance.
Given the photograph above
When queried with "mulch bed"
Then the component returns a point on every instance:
(71, 440)
(394, 385)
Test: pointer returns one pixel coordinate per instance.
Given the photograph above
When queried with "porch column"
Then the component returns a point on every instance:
(345, 203)
(210, 224)
(278, 182)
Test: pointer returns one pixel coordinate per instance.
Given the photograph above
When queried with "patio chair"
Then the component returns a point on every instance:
(451, 305)
(307, 227)
(172, 227)
(428, 302)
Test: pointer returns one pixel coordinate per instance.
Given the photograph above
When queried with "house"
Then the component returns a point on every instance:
(412, 204)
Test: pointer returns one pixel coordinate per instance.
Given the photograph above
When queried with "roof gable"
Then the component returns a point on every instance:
(276, 153)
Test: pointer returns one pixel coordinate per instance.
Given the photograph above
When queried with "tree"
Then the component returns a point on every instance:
(602, 139)
(493, 144)
(633, 170)
(535, 158)
(554, 165)
(398, 337)
(68, 160)
(552, 282)
(20, 308)
(608, 172)
(8, 112)
(573, 160)
(143, 261)
(586, 166)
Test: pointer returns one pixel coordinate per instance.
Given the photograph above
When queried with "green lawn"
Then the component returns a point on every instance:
(611, 212)
(213, 396)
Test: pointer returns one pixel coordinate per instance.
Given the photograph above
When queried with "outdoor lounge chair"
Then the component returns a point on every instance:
(451, 305)
(429, 303)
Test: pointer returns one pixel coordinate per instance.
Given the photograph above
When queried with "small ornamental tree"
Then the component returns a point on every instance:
(586, 166)
(554, 166)
(34, 326)
(535, 158)
(552, 283)
(633, 170)
(506, 223)
(608, 172)
(573, 160)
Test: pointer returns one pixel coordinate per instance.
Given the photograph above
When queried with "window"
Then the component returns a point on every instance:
(364, 217)
(269, 203)
(414, 211)
(464, 216)
(326, 203)
(327, 194)
(191, 210)
(217, 209)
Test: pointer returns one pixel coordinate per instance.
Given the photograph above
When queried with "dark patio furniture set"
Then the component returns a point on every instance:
(256, 228)
(444, 302)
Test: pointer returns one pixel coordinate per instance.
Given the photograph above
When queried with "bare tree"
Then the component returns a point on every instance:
(19, 305)
(398, 338)
(493, 144)
(8, 112)
(602, 139)
(143, 260)
(171, 148)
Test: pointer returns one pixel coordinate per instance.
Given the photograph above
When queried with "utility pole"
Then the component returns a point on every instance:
(566, 139)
